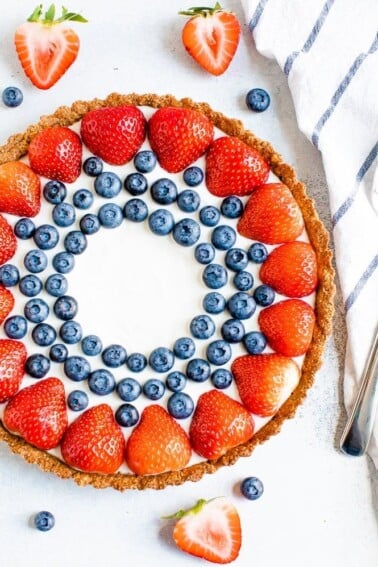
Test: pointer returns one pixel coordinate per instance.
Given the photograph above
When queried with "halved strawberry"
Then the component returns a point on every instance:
(6, 303)
(179, 136)
(45, 47)
(211, 530)
(38, 413)
(56, 154)
(271, 215)
(20, 189)
(8, 242)
(265, 381)
(288, 325)
(233, 168)
(94, 441)
(12, 360)
(291, 269)
(211, 37)
(157, 444)
(219, 423)
(114, 134)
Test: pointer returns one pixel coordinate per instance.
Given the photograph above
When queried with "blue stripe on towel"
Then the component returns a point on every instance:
(257, 14)
(361, 283)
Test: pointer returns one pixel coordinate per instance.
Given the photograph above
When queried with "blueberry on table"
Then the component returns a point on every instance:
(255, 342)
(243, 281)
(233, 330)
(77, 368)
(110, 215)
(35, 261)
(218, 352)
(82, 199)
(90, 224)
(44, 521)
(193, 176)
(136, 362)
(215, 276)
(264, 295)
(175, 381)
(36, 310)
(135, 210)
(257, 100)
(64, 214)
(241, 305)
(236, 259)
(114, 356)
(214, 303)
(161, 222)
(30, 285)
(153, 389)
(164, 191)
(221, 378)
(127, 415)
(232, 207)
(46, 237)
(75, 242)
(63, 262)
(93, 166)
(58, 352)
(128, 389)
(184, 348)
(77, 400)
(257, 253)
(161, 359)
(37, 365)
(16, 327)
(188, 201)
(186, 232)
(101, 382)
(43, 334)
(91, 345)
(136, 184)
(180, 405)
(145, 161)
(202, 327)
(9, 275)
(204, 253)
(12, 97)
(54, 192)
(65, 307)
(107, 184)
(209, 215)
(24, 228)
(56, 284)
(198, 370)
(223, 237)
(70, 332)
(252, 488)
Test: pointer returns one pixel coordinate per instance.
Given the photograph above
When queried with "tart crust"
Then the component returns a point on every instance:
(17, 146)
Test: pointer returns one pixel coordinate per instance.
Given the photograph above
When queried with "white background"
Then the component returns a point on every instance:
(318, 506)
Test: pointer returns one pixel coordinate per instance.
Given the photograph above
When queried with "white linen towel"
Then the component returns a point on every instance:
(329, 52)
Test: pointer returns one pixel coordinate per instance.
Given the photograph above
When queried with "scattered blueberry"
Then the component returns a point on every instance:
(56, 285)
(128, 389)
(221, 378)
(136, 184)
(77, 368)
(180, 405)
(46, 237)
(233, 330)
(55, 192)
(243, 281)
(77, 400)
(145, 161)
(110, 215)
(161, 359)
(63, 262)
(101, 382)
(223, 237)
(161, 222)
(153, 389)
(252, 488)
(135, 210)
(107, 184)
(175, 381)
(193, 176)
(58, 353)
(64, 214)
(215, 276)
(70, 332)
(232, 207)
(186, 232)
(136, 362)
(241, 305)
(209, 215)
(188, 201)
(204, 253)
(164, 191)
(44, 521)
(257, 253)
(24, 229)
(254, 342)
(257, 100)
(36, 310)
(15, 327)
(37, 365)
(264, 295)
(198, 370)
(12, 97)
(214, 303)
(65, 307)
(91, 345)
(202, 327)
(218, 352)
(89, 224)
(127, 415)
(82, 199)
(35, 261)
(93, 166)
(9, 275)
(114, 356)
(43, 334)
(30, 285)
(184, 348)
(75, 242)
(236, 259)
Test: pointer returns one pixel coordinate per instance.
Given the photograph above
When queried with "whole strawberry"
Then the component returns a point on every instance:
(179, 136)
(12, 360)
(114, 134)
(56, 153)
(233, 168)
(8, 242)
(20, 189)
(38, 413)
(6, 303)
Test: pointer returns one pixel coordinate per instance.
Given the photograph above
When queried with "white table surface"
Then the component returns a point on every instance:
(318, 506)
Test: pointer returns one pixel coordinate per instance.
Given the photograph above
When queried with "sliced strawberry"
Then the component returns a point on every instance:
(211, 37)
(265, 381)
(219, 423)
(114, 134)
(38, 413)
(288, 325)
(211, 530)
(94, 442)
(157, 444)
(8, 242)
(6, 303)
(179, 136)
(20, 189)
(233, 168)
(56, 153)
(12, 360)
(291, 269)
(45, 47)
(271, 215)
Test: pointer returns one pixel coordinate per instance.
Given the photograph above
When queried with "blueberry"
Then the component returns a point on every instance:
(56, 285)
(153, 389)
(204, 253)
(44, 521)
(186, 232)
(221, 378)
(252, 488)
(232, 207)
(198, 370)
(180, 405)
(89, 224)
(46, 237)
(93, 166)
(136, 184)
(24, 229)
(35, 261)
(161, 359)
(15, 327)
(64, 214)
(193, 176)
(65, 307)
(128, 389)
(107, 184)
(188, 201)
(236, 259)
(91, 345)
(77, 368)
(175, 381)
(145, 161)
(257, 253)
(82, 199)
(214, 303)
(264, 295)
(55, 192)
(114, 356)
(77, 400)
(233, 330)
(243, 281)
(63, 262)
(101, 382)
(36, 310)
(184, 348)
(161, 222)
(135, 210)
(127, 415)
(58, 353)
(75, 242)
(70, 332)
(110, 215)
(37, 365)
(12, 97)
(136, 362)
(241, 305)
(30, 285)
(223, 237)
(43, 334)
(9, 275)
(215, 276)
(202, 327)
(254, 342)
(257, 100)
(209, 215)
(164, 191)
(218, 352)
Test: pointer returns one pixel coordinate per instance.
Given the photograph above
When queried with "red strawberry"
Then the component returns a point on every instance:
(288, 325)
(6, 303)
(56, 153)
(233, 168)
(157, 444)
(12, 360)
(8, 243)
(211, 37)
(179, 136)
(45, 47)
(38, 413)
(20, 189)
(94, 441)
(114, 134)
(271, 215)
(291, 269)
(219, 423)
(265, 381)
(211, 530)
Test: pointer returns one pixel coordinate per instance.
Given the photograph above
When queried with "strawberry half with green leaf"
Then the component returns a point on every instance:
(211, 37)
(6, 303)
(211, 530)
(8, 243)
(45, 47)
(12, 360)
(20, 189)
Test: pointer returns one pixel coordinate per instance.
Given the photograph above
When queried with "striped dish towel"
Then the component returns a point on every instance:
(328, 51)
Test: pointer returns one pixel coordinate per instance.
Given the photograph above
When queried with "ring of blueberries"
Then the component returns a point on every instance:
(186, 232)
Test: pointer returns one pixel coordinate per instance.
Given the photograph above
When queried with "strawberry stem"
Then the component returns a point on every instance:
(194, 510)
(49, 16)
(201, 11)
